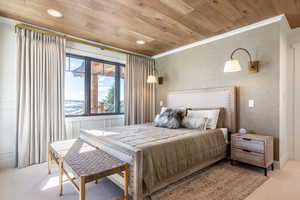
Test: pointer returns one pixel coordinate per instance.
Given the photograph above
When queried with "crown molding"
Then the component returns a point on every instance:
(224, 35)
(285, 23)
(8, 21)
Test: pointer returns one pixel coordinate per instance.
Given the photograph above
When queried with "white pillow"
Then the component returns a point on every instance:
(195, 122)
(163, 109)
(211, 115)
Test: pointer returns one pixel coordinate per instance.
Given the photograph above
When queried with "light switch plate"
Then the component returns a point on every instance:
(251, 103)
(161, 103)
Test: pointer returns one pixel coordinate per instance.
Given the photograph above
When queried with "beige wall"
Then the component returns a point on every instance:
(202, 67)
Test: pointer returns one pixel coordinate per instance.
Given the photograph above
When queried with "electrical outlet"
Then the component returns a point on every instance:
(251, 103)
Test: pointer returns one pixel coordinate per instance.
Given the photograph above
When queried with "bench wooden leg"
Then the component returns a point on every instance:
(82, 188)
(126, 183)
(49, 161)
(61, 174)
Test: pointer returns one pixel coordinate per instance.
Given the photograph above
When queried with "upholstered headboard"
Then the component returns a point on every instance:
(224, 97)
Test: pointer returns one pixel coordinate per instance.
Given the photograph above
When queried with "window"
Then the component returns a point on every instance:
(75, 103)
(93, 86)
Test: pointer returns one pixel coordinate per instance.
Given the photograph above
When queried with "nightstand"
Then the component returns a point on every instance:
(253, 149)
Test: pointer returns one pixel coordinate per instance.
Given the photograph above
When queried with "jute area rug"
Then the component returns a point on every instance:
(221, 181)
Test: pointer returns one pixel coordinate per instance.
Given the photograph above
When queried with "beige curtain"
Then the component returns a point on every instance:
(40, 113)
(139, 95)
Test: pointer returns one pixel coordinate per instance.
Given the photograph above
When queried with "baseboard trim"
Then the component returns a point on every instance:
(8, 160)
(283, 160)
(276, 164)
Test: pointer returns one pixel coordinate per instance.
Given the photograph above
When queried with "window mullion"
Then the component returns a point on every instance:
(88, 86)
(117, 88)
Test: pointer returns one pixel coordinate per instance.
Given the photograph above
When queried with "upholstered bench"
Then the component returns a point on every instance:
(86, 163)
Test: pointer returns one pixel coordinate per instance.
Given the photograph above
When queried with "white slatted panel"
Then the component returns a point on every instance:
(73, 125)
(196, 99)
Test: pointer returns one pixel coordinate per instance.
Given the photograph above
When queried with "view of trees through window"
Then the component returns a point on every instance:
(93, 86)
(103, 92)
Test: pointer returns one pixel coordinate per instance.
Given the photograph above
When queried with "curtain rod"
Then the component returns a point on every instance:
(72, 39)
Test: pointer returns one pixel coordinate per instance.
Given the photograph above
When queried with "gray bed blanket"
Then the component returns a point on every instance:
(167, 152)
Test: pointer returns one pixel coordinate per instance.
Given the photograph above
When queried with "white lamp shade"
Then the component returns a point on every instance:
(232, 66)
(152, 79)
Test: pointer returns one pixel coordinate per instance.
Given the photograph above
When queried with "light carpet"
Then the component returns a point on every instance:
(219, 182)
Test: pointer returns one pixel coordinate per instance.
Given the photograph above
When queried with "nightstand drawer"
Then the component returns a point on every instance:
(248, 144)
(249, 157)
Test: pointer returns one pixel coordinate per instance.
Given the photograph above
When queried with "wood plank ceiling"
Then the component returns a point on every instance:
(162, 24)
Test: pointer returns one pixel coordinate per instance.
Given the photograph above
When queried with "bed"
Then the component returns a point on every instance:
(160, 156)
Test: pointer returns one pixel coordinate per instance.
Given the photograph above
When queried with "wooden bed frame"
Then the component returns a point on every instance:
(224, 97)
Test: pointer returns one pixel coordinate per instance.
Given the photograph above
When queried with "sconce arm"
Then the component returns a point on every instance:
(243, 49)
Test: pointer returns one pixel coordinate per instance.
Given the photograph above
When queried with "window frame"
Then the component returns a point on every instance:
(87, 85)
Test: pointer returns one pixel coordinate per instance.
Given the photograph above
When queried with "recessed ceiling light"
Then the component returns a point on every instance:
(54, 13)
(140, 42)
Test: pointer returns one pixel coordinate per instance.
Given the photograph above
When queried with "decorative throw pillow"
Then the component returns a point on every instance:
(211, 115)
(169, 119)
(195, 122)
(183, 110)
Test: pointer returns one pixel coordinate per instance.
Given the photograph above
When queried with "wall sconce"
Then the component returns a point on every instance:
(152, 79)
(233, 65)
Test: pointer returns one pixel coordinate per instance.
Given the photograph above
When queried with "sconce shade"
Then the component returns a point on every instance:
(152, 79)
(232, 66)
